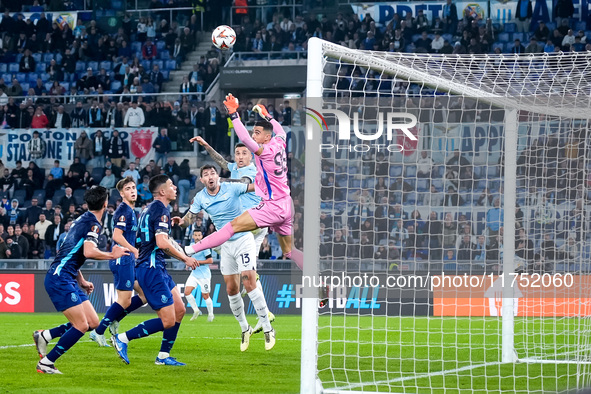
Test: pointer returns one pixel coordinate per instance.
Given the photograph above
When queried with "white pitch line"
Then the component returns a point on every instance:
(415, 377)
(155, 337)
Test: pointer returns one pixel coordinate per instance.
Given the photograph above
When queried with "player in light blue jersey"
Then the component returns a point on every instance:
(200, 276)
(221, 201)
(242, 170)
(124, 234)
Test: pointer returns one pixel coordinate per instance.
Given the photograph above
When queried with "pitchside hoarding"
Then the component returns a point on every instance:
(137, 142)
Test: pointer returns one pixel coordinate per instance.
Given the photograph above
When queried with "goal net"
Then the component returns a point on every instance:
(449, 217)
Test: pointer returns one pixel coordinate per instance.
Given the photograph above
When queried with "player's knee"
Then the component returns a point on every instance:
(83, 326)
(205, 296)
(188, 291)
(125, 302)
(179, 311)
(168, 323)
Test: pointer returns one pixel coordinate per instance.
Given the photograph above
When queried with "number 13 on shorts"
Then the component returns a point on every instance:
(245, 259)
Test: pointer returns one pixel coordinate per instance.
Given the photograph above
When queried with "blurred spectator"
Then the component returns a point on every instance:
(108, 180)
(83, 148)
(42, 225)
(523, 14)
(36, 147)
(116, 149)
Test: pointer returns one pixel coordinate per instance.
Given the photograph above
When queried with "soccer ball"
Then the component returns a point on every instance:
(223, 37)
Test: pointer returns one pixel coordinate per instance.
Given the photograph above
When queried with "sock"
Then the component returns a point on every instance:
(237, 306)
(136, 303)
(168, 338)
(209, 304)
(56, 332)
(259, 285)
(214, 239)
(192, 302)
(144, 329)
(297, 256)
(260, 306)
(112, 314)
(163, 355)
(123, 337)
(66, 341)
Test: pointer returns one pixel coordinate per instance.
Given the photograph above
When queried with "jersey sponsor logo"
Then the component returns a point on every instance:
(164, 299)
(74, 297)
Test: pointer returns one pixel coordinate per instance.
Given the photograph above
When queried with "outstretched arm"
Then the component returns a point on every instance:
(212, 152)
(231, 104)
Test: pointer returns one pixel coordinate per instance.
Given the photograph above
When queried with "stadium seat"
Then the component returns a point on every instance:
(580, 25)
(47, 57)
(25, 86)
(438, 183)
(395, 171)
(160, 45)
(510, 27)
(107, 65)
(18, 58)
(13, 67)
(499, 45)
(115, 85)
(80, 66)
(165, 55)
(503, 37)
(165, 74)
(48, 85)
(33, 77)
(7, 78)
(57, 196)
(493, 171)
(3, 67)
(79, 196)
(39, 194)
(411, 171)
(58, 58)
(97, 173)
(158, 63)
(147, 64)
(40, 67)
(171, 64)
(37, 57)
(20, 195)
(45, 76)
(519, 36)
(136, 46)
(93, 65)
(422, 185)
(66, 85)
(21, 77)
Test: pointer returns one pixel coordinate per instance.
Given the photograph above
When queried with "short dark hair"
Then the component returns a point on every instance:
(157, 181)
(197, 231)
(207, 167)
(267, 126)
(95, 197)
(123, 182)
(239, 145)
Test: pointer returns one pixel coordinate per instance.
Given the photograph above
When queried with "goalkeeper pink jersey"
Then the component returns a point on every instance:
(271, 178)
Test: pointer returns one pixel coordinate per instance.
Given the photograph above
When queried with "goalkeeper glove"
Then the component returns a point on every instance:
(262, 111)
(231, 104)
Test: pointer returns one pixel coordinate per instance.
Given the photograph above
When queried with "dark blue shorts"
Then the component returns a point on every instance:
(156, 284)
(123, 270)
(64, 292)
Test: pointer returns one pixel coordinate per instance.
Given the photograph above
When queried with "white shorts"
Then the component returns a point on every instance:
(259, 236)
(205, 284)
(239, 255)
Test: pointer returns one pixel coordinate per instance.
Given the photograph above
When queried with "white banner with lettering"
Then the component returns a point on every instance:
(60, 144)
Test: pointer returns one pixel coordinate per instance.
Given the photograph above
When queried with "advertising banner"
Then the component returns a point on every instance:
(534, 295)
(500, 11)
(17, 293)
(60, 144)
(61, 18)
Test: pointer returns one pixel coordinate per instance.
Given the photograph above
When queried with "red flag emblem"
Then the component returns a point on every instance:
(141, 142)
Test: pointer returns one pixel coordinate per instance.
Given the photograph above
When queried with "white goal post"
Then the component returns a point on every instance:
(496, 180)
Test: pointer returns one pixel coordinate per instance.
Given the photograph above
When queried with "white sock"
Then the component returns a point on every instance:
(260, 306)
(192, 302)
(237, 306)
(163, 355)
(259, 286)
(209, 304)
(46, 335)
(123, 338)
(46, 361)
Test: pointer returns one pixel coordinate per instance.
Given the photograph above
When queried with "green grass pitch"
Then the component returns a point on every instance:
(211, 351)
(401, 354)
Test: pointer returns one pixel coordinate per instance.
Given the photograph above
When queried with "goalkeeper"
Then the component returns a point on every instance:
(275, 209)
